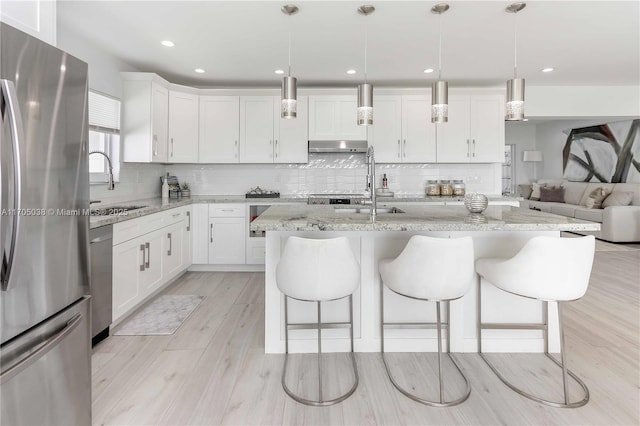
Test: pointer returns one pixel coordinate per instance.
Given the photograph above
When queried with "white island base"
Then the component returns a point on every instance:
(371, 246)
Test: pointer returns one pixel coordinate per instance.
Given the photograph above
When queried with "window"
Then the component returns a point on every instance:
(104, 136)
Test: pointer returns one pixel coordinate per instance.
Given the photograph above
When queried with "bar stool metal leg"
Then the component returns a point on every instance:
(320, 402)
(566, 373)
(438, 325)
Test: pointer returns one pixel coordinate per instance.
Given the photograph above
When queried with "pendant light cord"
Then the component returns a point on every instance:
(440, 46)
(289, 45)
(515, 45)
(366, 40)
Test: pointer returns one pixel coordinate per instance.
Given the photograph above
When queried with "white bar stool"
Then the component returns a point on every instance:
(429, 269)
(548, 269)
(315, 270)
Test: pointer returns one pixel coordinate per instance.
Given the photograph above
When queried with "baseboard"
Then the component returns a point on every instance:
(226, 268)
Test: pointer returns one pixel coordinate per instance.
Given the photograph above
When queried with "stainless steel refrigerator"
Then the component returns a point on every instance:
(45, 356)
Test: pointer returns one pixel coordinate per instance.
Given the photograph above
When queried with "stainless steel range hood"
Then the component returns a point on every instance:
(338, 146)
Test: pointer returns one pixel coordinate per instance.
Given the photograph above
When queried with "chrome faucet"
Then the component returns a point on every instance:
(370, 190)
(110, 184)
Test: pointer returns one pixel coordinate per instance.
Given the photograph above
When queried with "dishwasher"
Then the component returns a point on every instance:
(101, 248)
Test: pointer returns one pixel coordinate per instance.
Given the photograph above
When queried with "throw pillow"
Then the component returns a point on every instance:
(552, 194)
(535, 191)
(618, 199)
(524, 191)
(596, 197)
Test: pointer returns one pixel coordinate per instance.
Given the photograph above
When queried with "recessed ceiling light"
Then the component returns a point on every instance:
(199, 70)
(547, 69)
(168, 43)
(279, 72)
(351, 71)
(428, 71)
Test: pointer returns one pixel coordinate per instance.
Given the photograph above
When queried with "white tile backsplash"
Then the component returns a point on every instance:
(137, 181)
(327, 173)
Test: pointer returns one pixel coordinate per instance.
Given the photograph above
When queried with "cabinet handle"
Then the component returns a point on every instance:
(404, 149)
(155, 145)
(474, 148)
(143, 256)
(398, 148)
(175, 215)
(468, 148)
(271, 145)
(172, 147)
(277, 148)
(226, 210)
(236, 145)
(148, 263)
(211, 233)
(189, 224)
(170, 243)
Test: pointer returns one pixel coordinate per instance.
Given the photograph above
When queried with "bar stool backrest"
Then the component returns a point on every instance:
(546, 268)
(317, 269)
(432, 268)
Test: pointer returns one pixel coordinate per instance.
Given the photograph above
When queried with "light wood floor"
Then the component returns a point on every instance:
(213, 369)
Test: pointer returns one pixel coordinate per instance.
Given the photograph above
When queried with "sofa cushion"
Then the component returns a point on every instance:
(573, 192)
(563, 209)
(584, 213)
(552, 194)
(596, 197)
(524, 191)
(629, 187)
(535, 191)
(618, 199)
(591, 186)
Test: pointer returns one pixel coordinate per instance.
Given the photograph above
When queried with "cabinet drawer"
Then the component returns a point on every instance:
(174, 216)
(127, 230)
(226, 210)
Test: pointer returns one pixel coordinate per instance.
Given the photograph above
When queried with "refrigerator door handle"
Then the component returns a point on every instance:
(42, 350)
(8, 90)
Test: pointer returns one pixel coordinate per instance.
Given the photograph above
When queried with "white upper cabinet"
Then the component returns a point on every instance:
(267, 138)
(256, 129)
(35, 17)
(183, 127)
(219, 129)
(291, 135)
(475, 131)
(418, 132)
(386, 133)
(334, 118)
(144, 126)
(402, 131)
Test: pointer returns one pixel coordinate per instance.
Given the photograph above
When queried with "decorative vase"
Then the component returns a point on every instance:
(186, 193)
(476, 203)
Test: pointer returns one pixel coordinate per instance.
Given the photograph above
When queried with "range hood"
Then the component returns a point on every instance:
(338, 146)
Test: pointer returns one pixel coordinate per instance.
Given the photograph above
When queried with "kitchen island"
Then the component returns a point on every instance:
(499, 232)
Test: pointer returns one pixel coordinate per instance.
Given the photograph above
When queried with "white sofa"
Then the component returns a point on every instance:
(618, 223)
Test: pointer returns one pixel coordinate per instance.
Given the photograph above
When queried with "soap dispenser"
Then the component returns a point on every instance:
(165, 188)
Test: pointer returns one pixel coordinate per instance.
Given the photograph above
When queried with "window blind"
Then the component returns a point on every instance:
(104, 112)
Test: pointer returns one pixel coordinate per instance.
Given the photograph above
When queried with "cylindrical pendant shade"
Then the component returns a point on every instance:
(365, 104)
(515, 100)
(288, 107)
(440, 102)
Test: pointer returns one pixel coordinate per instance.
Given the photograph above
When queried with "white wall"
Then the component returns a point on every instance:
(104, 68)
(333, 173)
(523, 136)
(583, 102)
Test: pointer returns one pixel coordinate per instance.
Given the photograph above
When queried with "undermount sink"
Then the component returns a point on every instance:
(114, 210)
(367, 210)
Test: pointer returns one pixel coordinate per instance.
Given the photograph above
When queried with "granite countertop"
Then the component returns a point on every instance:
(416, 218)
(154, 205)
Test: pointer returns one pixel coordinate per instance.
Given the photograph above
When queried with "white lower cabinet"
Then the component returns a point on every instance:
(227, 240)
(148, 252)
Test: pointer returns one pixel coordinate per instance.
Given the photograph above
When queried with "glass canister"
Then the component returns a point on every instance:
(458, 188)
(432, 189)
(446, 189)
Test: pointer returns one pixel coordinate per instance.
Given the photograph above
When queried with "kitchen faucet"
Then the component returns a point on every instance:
(370, 190)
(110, 184)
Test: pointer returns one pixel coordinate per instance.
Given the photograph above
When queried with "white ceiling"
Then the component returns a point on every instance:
(243, 42)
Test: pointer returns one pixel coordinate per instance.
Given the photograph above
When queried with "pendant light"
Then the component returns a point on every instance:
(440, 88)
(288, 106)
(365, 90)
(515, 86)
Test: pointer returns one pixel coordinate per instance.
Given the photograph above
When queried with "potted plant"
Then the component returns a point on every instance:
(185, 189)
